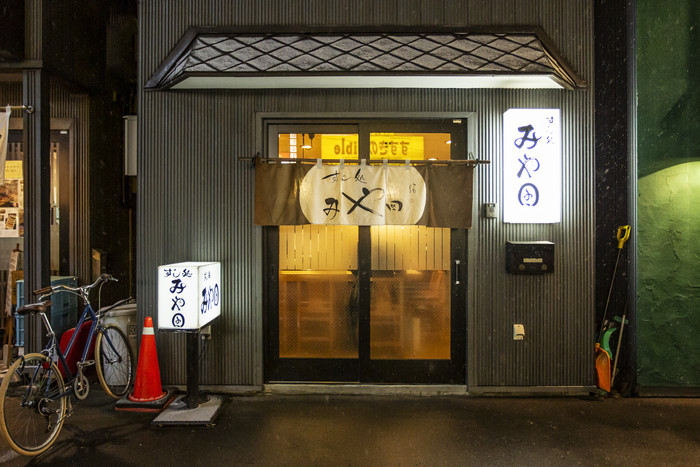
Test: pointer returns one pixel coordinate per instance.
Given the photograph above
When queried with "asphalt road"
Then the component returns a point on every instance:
(386, 430)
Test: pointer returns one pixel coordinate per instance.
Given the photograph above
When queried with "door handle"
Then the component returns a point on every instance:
(458, 263)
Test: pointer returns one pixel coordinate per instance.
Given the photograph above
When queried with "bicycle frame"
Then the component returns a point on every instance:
(54, 348)
(47, 390)
(88, 312)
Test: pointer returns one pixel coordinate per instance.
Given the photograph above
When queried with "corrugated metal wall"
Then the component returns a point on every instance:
(11, 94)
(556, 309)
(196, 199)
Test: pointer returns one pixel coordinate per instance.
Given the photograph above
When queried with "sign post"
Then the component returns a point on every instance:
(189, 298)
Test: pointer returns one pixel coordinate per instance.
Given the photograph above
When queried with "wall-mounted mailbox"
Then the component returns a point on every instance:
(529, 257)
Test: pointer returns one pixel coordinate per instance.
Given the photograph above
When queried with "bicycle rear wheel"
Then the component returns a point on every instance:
(114, 361)
(32, 409)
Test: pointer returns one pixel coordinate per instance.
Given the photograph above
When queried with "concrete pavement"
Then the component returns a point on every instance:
(386, 430)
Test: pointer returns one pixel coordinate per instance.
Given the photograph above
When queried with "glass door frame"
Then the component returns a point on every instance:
(62, 139)
(365, 369)
(295, 369)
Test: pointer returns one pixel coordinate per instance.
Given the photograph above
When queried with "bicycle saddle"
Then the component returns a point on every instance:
(34, 308)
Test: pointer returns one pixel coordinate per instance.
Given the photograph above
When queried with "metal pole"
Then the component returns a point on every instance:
(28, 108)
(36, 196)
(193, 397)
(273, 160)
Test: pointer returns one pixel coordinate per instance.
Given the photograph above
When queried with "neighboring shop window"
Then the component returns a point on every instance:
(12, 194)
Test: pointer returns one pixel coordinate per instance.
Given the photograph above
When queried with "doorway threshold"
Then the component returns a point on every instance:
(366, 389)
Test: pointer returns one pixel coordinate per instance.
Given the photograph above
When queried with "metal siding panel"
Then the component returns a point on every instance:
(555, 309)
(11, 93)
(34, 34)
(196, 199)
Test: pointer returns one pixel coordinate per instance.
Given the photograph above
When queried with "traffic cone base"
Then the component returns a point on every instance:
(128, 404)
(131, 397)
(148, 393)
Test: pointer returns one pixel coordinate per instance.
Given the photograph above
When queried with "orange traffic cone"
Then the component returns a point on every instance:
(147, 386)
(148, 393)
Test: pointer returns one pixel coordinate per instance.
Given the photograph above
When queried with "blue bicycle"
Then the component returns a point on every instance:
(34, 394)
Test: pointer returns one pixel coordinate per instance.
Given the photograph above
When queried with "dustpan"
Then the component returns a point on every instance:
(602, 367)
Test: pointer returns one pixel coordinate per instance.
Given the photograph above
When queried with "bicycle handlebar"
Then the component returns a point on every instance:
(43, 291)
(83, 289)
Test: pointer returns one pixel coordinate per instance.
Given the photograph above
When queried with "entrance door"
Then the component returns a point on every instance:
(366, 304)
(12, 203)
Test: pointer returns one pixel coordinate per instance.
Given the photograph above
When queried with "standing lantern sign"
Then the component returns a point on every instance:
(189, 295)
(189, 298)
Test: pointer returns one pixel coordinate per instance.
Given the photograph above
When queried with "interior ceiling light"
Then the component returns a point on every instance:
(304, 145)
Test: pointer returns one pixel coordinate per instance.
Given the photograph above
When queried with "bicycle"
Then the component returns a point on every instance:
(35, 391)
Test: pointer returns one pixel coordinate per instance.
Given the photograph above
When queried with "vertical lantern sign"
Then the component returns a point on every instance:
(189, 295)
(532, 166)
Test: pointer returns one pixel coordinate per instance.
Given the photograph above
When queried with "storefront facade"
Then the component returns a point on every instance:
(428, 305)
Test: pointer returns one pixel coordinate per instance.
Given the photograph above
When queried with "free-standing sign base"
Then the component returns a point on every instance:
(193, 408)
(177, 413)
(189, 298)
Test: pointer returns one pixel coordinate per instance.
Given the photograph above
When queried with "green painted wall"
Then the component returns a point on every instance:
(668, 125)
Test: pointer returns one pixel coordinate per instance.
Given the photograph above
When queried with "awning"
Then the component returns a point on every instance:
(223, 59)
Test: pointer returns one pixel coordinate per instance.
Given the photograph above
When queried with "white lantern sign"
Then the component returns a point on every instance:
(532, 166)
(189, 295)
(362, 195)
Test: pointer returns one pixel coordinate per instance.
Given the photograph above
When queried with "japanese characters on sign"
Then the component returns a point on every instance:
(362, 195)
(381, 146)
(532, 166)
(189, 295)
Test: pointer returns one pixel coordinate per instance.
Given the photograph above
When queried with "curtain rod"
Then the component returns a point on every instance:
(272, 160)
(28, 108)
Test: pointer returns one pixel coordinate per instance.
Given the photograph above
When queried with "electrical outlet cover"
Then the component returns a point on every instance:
(518, 332)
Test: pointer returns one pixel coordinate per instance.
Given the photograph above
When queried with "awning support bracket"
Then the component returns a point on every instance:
(28, 108)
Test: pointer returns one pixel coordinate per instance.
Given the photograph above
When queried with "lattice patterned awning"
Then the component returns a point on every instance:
(206, 59)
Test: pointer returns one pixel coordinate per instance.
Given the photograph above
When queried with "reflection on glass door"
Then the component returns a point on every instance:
(317, 292)
(410, 293)
(318, 308)
(410, 306)
(54, 228)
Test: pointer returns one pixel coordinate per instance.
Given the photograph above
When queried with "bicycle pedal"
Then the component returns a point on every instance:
(86, 363)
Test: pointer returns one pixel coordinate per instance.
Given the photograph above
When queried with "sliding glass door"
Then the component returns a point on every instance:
(361, 303)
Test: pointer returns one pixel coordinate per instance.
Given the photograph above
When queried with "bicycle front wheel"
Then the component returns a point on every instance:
(114, 361)
(32, 404)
